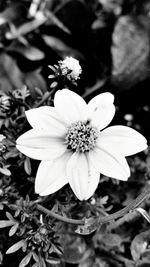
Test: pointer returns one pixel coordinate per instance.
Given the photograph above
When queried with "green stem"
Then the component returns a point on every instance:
(59, 217)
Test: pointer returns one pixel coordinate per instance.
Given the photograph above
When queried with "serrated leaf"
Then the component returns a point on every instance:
(15, 247)
(13, 229)
(25, 260)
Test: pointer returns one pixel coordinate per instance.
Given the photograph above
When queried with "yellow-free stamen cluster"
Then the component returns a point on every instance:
(81, 136)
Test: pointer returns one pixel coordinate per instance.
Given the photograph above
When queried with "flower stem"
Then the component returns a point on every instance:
(129, 208)
(59, 217)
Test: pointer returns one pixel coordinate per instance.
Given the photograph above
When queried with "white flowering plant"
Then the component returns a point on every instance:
(68, 174)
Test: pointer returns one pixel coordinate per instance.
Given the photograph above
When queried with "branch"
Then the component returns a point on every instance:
(131, 207)
(59, 217)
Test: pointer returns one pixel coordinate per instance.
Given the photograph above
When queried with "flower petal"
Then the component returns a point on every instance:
(45, 118)
(70, 106)
(125, 140)
(51, 175)
(101, 110)
(77, 174)
(93, 180)
(109, 163)
(40, 145)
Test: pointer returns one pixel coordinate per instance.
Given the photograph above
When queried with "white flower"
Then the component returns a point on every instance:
(74, 149)
(71, 68)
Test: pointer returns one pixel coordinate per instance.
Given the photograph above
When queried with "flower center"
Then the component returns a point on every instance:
(81, 136)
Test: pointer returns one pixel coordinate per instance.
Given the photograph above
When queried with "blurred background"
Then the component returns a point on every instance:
(110, 38)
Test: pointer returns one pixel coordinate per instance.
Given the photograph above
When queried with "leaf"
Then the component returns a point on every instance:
(130, 51)
(12, 77)
(30, 52)
(16, 247)
(26, 260)
(74, 249)
(56, 249)
(5, 223)
(1, 257)
(53, 260)
(35, 257)
(144, 213)
(27, 166)
(139, 245)
(5, 171)
(9, 216)
(89, 227)
(61, 47)
(110, 240)
(1, 206)
(13, 229)
(25, 28)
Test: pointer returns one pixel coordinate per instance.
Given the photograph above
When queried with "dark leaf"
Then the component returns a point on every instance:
(75, 15)
(130, 51)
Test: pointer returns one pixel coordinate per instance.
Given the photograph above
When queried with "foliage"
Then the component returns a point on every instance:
(111, 41)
